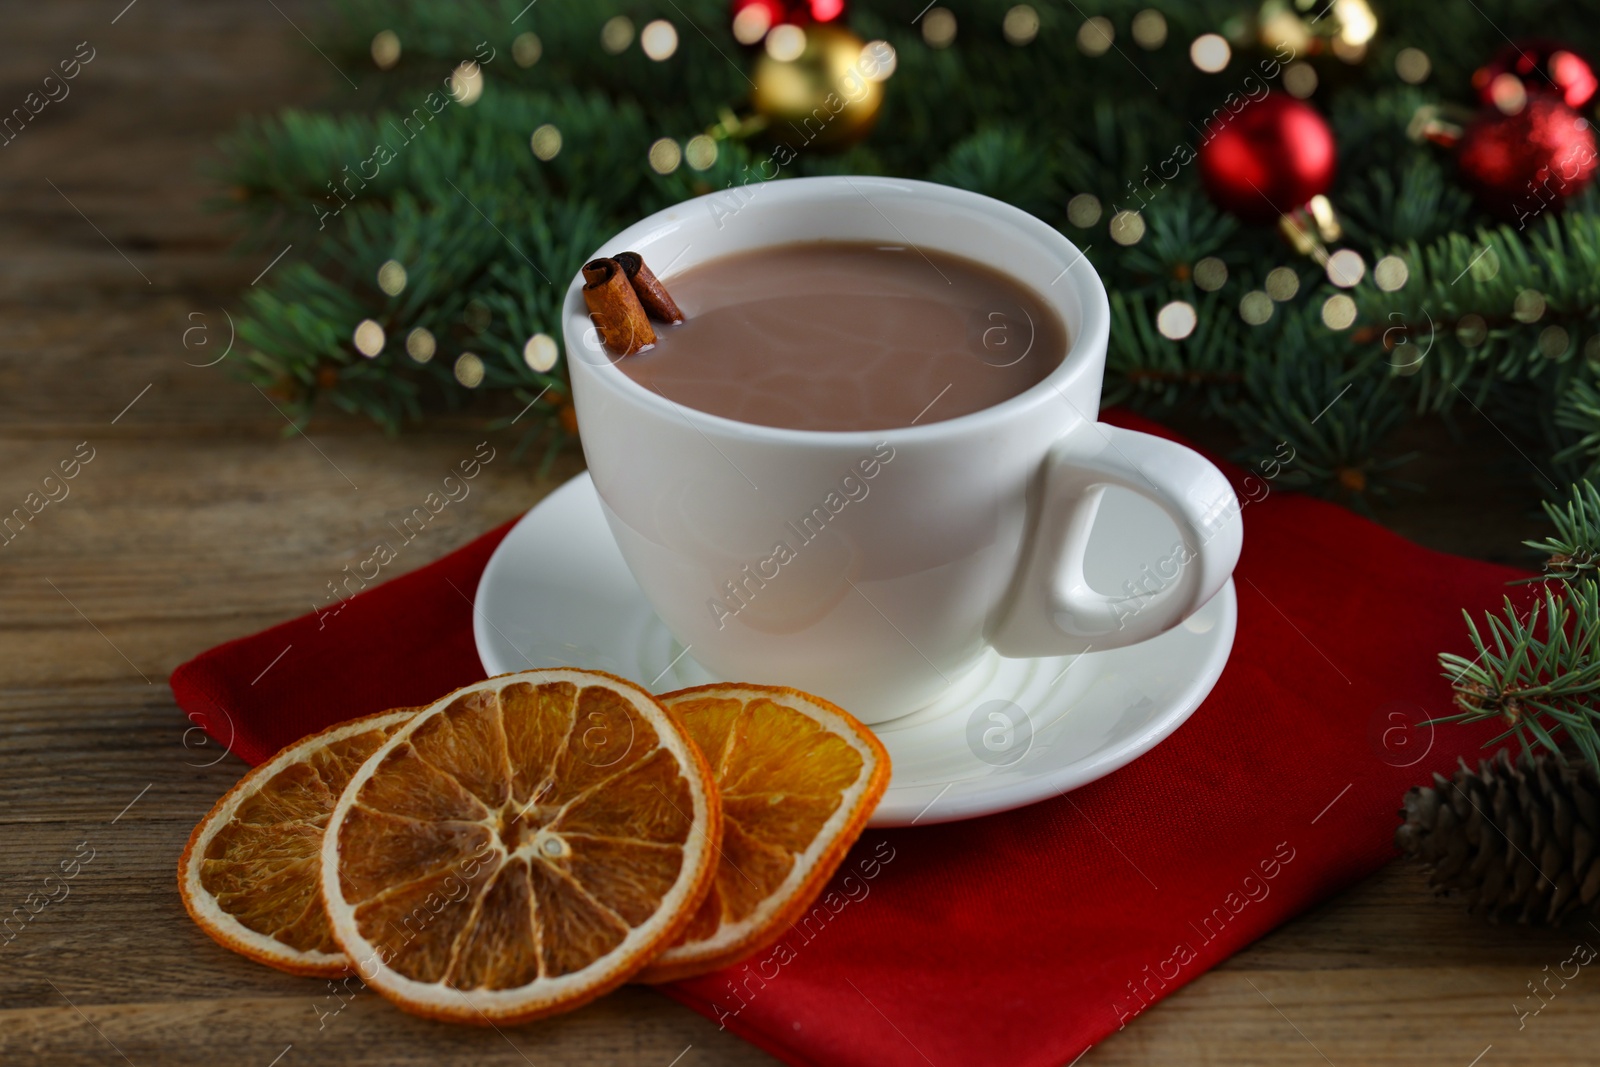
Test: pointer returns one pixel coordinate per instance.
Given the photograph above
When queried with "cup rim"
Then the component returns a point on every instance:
(1091, 335)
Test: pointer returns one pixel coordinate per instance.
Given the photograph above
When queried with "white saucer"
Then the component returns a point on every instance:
(556, 593)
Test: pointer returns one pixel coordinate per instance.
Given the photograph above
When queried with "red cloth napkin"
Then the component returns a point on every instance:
(1019, 938)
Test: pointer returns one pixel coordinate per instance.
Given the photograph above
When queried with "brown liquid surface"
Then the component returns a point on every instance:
(848, 336)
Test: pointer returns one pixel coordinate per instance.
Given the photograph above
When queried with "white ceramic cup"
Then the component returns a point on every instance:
(875, 568)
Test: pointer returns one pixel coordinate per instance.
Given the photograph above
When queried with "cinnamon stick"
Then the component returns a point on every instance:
(658, 303)
(614, 307)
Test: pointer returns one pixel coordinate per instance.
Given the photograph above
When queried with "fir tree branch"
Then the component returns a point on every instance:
(1540, 674)
(1483, 307)
(1577, 413)
(1335, 419)
(1573, 551)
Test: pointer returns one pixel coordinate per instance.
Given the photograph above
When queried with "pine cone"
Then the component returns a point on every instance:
(1517, 840)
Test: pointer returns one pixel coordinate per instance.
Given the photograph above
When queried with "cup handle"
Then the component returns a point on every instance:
(1052, 609)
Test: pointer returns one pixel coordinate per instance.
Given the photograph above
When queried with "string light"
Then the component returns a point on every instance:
(659, 39)
(665, 155)
(1127, 228)
(1472, 330)
(1083, 210)
(1391, 273)
(1095, 35)
(751, 24)
(386, 49)
(1508, 94)
(546, 142)
(540, 353)
(878, 60)
(939, 28)
(1350, 53)
(1346, 268)
(1177, 320)
(469, 370)
(1255, 307)
(1300, 79)
(392, 277)
(1149, 29)
(786, 43)
(1282, 283)
(420, 345)
(1357, 23)
(617, 34)
(1284, 29)
(700, 152)
(369, 338)
(466, 83)
(1412, 65)
(1021, 25)
(1210, 274)
(526, 49)
(1528, 306)
(1485, 265)
(1210, 53)
(1338, 312)
(1553, 342)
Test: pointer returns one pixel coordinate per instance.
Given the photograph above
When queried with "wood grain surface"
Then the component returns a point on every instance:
(197, 521)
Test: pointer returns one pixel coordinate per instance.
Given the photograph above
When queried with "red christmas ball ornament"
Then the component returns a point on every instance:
(1537, 67)
(753, 18)
(1518, 165)
(1268, 158)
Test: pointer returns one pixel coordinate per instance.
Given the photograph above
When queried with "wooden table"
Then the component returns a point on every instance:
(197, 520)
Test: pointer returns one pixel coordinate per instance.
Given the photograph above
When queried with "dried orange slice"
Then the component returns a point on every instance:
(250, 875)
(520, 847)
(799, 778)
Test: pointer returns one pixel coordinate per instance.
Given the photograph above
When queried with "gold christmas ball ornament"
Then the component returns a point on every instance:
(824, 91)
(1298, 28)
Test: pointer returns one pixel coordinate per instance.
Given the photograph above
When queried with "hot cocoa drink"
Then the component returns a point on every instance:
(848, 336)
